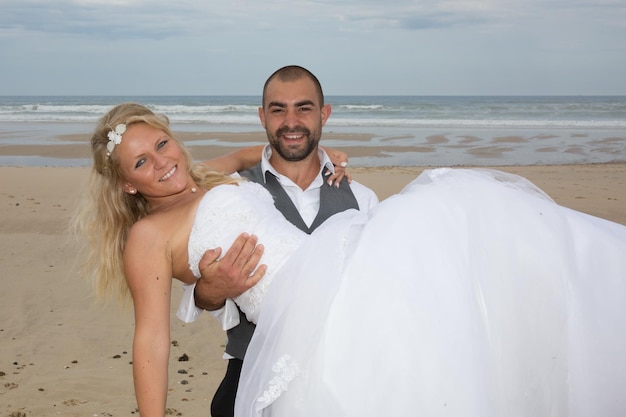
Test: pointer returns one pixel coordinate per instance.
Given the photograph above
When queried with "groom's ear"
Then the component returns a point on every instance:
(262, 117)
(325, 111)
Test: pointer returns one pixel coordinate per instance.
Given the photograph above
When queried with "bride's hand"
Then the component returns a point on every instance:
(340, 162)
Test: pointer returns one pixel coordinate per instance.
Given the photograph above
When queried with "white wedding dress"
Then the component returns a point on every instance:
(470, 293)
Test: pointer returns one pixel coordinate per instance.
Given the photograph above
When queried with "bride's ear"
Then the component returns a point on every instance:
(129, 189)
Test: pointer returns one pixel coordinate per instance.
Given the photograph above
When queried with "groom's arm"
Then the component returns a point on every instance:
(229, 276)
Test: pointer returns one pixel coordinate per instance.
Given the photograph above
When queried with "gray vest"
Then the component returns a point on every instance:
(332, 201)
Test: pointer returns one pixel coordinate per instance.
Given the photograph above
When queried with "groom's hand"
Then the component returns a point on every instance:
(231, 275)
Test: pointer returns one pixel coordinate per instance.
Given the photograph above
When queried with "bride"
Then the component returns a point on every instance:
(470, 293)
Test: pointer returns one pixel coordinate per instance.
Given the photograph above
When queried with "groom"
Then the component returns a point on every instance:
(295, 170)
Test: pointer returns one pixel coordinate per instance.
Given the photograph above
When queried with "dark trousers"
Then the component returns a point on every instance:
(223, 404)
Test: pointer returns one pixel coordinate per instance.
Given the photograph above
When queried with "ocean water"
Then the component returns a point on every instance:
(408, 130)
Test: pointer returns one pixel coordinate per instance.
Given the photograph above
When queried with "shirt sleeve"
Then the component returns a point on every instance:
(187, 310)
(366, 197)
(228, 316)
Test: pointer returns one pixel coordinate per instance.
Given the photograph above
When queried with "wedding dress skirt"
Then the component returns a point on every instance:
(470, 293)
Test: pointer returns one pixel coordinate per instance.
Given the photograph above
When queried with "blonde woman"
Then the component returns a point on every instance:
(140, 205)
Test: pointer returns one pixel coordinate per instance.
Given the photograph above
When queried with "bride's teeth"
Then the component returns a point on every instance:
(169, 174)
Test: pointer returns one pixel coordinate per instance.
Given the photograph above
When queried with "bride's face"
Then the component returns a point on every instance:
(151, 162)
(293, 116)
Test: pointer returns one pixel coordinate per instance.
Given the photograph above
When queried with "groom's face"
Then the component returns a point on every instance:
(293, 116)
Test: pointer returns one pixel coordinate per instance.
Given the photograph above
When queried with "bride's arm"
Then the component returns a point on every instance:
(238, 160)
(245, 158)
(148, 275)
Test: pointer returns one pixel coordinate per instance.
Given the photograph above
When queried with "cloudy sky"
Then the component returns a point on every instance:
(360, 47)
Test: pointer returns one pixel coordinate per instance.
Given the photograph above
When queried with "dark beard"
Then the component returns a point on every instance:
(296, 154)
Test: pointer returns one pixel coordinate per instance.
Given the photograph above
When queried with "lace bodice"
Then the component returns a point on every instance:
(229, 210)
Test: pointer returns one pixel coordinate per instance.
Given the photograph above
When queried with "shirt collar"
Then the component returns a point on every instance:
(267, 153)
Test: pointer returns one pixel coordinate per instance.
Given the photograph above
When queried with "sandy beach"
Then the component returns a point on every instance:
(64, 354)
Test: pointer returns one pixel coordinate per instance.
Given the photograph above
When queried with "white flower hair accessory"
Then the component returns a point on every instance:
(115, 137)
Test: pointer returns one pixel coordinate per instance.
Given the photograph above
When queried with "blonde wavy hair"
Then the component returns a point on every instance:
(106, 213)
